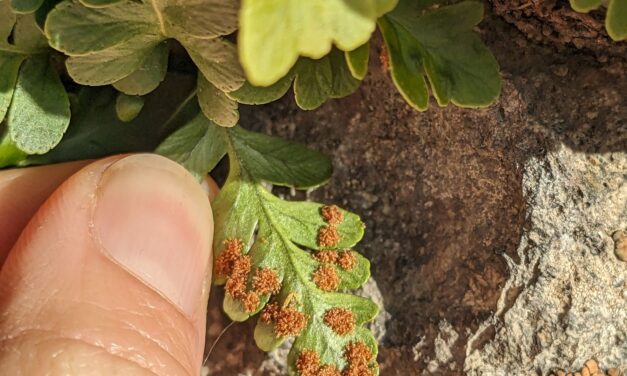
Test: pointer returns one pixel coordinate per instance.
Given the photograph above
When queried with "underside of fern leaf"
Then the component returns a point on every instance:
(289, 262)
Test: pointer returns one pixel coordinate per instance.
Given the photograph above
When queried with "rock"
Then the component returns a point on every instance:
(592, 366)
(620, 244)
(567, 281)
(613, 372)
(276, 362)
(560, 70)
(443, 343)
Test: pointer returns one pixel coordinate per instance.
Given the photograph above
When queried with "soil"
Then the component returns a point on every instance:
(555, 23)
(441, 192)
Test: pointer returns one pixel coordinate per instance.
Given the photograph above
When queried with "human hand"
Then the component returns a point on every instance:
(111, 275)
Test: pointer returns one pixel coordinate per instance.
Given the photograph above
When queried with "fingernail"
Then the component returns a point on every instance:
(154, 220)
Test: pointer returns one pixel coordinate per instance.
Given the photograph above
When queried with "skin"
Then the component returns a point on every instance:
(106, 268)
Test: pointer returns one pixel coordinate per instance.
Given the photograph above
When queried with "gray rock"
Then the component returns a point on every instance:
(566, 299)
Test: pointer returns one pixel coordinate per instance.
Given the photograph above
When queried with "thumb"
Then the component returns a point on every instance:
(111, 276)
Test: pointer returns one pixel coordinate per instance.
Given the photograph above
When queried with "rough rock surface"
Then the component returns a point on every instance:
(453, 201)
(566, 299)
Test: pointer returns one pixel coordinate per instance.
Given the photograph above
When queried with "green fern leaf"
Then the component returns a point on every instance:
(123, 44)
(314, 81)
(440, 44)
(33, 102)
(273, 34)
(289, 261)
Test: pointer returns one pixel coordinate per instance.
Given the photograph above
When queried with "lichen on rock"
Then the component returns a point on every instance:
(565, 300)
